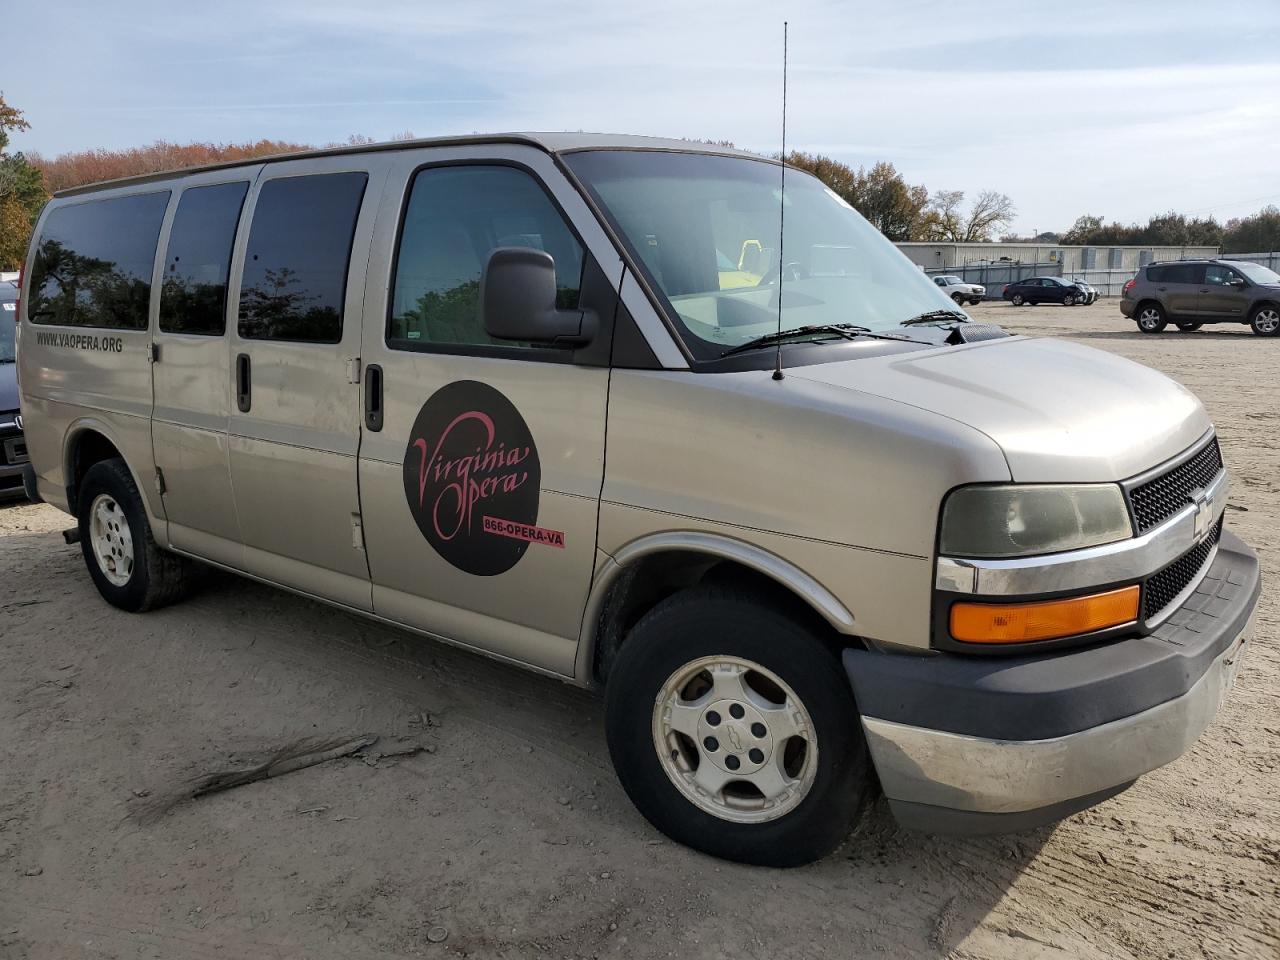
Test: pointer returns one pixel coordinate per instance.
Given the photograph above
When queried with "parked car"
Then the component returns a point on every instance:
(1043, 290)
(491, 390)
(13, 448)
(1089, 291)
(961, 292)
(1191, 293)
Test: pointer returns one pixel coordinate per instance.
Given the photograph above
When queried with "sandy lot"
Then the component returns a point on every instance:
(511, 838)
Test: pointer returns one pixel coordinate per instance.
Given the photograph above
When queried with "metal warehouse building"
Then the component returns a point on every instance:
(1069, 260)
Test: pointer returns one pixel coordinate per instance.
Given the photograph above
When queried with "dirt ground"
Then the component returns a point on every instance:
(511, 837)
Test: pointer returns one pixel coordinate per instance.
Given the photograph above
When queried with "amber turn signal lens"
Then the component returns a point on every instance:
(1043, 620)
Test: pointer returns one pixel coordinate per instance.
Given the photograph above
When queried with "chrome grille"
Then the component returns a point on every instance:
(1163, 586)
(1157, 500)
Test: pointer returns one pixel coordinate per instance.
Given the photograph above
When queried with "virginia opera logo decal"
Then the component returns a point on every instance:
(471, 476)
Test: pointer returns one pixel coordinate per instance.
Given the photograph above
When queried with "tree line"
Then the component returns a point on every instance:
(900, 210)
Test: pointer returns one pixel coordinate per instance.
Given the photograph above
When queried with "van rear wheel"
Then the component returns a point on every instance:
(734, 731)
(128, 568)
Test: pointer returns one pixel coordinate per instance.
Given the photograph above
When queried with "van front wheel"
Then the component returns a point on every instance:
(734, 731)
(128, 568)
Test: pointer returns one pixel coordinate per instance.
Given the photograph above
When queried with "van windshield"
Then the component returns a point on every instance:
(704, 229)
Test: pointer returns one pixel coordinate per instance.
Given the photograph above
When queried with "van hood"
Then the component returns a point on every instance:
(1060, 412)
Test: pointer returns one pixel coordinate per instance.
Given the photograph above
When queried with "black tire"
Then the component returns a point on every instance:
(1069, 301)
(1017, 300)
(1265, 320)
(958, 299)
(155, 577)
(1150, 317)
(1189, 327)
(723, 621)
(975, 301)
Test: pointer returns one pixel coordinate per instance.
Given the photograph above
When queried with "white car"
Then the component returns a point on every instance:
(961, 292)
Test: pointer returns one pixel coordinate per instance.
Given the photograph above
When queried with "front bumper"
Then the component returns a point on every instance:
(13, 456)
(988, 745)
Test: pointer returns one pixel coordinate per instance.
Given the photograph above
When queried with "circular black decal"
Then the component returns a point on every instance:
(471, 476)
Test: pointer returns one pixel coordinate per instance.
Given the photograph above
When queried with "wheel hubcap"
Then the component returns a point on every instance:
(1149, 319)
(1268, 321)
(735, 739)
(111, 540)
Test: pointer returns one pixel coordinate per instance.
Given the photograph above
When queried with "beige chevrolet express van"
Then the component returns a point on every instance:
(815, 534)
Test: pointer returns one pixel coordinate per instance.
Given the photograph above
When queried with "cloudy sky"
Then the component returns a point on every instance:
(1122, 109)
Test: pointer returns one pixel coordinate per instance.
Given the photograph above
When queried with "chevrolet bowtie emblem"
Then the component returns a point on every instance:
(1204, 510)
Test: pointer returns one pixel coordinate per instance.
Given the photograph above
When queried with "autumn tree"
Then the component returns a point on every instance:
(880, 194)
(1256, 234)
(79, 167)
(947, 219)
(21, 191)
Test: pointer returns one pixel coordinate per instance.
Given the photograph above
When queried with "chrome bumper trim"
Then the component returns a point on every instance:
(1130, 559)
(960, 772)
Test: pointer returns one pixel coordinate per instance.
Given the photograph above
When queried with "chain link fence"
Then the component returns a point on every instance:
(994, 276)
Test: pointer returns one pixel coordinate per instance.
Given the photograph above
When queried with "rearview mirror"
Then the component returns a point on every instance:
(518, 301)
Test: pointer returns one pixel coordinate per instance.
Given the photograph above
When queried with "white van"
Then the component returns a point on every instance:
(568, 400)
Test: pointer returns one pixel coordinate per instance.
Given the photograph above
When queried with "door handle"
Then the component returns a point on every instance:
(1162, 289)
(1204, 289)
(244, 399)
(373, 397)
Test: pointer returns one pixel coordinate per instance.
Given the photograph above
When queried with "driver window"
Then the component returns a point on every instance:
(1219, 275)
(455, 217)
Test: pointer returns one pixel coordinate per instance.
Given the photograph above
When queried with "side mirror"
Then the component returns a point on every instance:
(1236, 282)
(518, 301)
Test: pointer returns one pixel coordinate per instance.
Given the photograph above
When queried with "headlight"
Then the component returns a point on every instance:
(1026, 519)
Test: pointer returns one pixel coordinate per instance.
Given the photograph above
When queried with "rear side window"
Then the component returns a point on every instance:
(455, 217)
(295, 268)
(1181, 273)
(93, 263)
(1156, 274)
(193, 296)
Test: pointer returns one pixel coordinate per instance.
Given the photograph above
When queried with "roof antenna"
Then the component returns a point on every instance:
(782, 204)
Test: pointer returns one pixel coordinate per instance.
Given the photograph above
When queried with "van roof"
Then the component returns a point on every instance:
(554, 143)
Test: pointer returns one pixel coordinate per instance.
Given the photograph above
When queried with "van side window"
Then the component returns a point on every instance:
(295, 269)
(93, 263)
(193, 295)
(456, 215)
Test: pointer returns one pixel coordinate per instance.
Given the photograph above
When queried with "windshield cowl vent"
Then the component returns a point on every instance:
(974, 333)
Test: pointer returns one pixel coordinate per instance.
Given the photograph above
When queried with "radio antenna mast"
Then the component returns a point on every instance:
(782, 205)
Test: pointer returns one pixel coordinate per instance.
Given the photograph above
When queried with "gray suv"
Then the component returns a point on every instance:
(1191, 293)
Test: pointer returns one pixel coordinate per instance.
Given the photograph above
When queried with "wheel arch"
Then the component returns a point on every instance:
(646, 571)
(89, 441)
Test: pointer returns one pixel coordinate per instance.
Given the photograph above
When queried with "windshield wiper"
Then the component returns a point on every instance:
(934, 316)
(846, 330)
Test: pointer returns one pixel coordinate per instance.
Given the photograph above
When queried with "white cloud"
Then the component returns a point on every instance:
(1053, 107)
